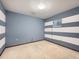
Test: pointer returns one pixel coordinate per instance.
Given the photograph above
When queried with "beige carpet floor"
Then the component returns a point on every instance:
(39, 50)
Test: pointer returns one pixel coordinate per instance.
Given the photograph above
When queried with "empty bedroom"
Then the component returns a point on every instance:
(39, 29)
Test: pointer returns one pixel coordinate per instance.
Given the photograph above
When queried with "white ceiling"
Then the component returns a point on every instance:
(30, 7)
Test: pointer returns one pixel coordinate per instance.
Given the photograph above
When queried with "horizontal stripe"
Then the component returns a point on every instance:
(50, 26)
(48, 36)
(68, 13)
(62, 38)
(49, 33)
(2, 16)
(70, 19)
(73, 24)
(49, 23)
(2, 49)
(65, 44)
(2, 29)
(67, 29)
(48, 29)
(74, 35)
(1, 36)
(2, 42)
(2, 23)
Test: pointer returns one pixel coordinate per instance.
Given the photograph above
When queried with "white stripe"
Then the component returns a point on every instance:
(67, 29)
(65, 39)
(70, 19)
(48, 29)
(2, 42)
(2, 29)
(49, 23)
(48, 36)
(2, 16)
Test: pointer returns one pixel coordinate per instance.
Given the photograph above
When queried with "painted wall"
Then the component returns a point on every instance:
(66, 33)
(2, 29)
(23, 29)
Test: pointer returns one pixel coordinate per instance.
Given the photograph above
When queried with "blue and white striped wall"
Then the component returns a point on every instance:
(67, 33)
(2, 29)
